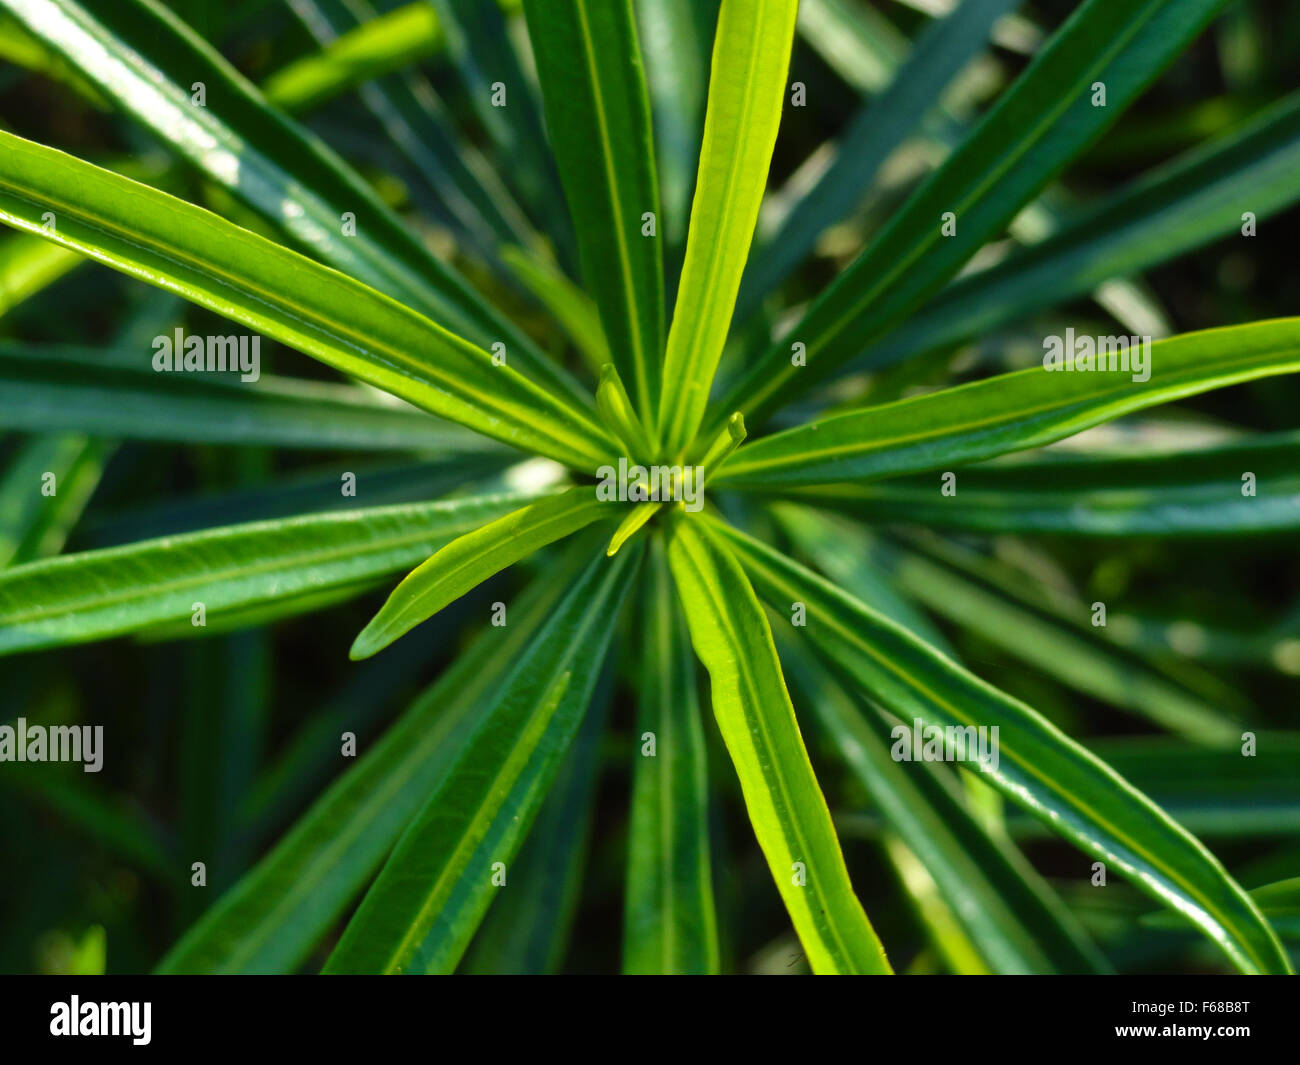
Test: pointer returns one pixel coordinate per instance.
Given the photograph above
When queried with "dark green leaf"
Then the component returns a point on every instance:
(669, 924)
(172, 244)
(598, 116)
(430, 896)
(1028, 137)
(272, 918)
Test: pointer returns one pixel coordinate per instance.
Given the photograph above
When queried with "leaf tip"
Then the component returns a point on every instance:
(364, 645)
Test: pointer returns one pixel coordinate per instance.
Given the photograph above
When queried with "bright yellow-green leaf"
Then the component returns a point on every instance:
(731, 636)
(751, 55)
(471, 559)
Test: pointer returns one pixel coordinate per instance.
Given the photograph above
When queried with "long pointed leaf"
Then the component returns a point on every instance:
(1182, 205)
(598, 115)
(1191, 492)
(677, 39)
(527, 930)
(271, 919)
(1038, 766)
(427, 901)
(1010, 412)
(264, 158)
(751, 56)
(669, 924)
(731, 636)
(175, 245)
(471, 559)
(75, 389)
(97, 594)
(1013, 918)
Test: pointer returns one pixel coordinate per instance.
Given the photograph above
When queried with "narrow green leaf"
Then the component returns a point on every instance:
(677, 40)
(270, 162)
(669, 923)
(631, 525)
(34, 524)
(1029, 136)
(313, 491)
(271, 919)
(471, 559)
(526, 930)
(598, 116)
(81, 390)
(1038, 766)
(1012, 917)
(751, 56)
(1209, 791)
(754, 713)
(423, 908)
(175, 245)
(1190, 492)
(237, 140)
(732, 436)
(1013, 411)
(258, 615)
(97, 594)
(615, 408)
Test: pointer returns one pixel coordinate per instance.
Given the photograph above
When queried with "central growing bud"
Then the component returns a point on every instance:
(634, 483)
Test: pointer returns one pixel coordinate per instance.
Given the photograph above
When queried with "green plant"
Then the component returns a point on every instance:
(503, 747)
